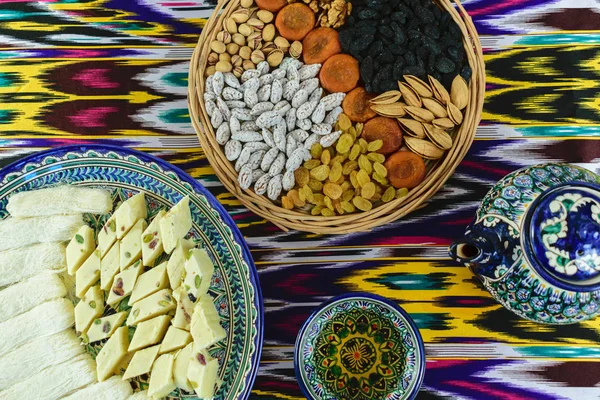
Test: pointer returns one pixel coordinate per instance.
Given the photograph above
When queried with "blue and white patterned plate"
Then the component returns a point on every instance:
(125, 172)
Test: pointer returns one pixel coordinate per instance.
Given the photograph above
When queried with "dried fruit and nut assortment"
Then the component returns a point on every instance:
(330, 121)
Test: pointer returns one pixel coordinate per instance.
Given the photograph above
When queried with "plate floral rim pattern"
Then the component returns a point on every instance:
(317, 331)
(126, 169)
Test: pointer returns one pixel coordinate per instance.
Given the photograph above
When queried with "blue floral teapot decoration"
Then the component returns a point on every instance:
(535, 243)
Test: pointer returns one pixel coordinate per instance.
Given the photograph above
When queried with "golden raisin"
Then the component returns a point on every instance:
(362, 177)
(348, 207)
(380, 169)
(349, 166)
(335, 173)
(344, 143)
(354, 179)
(321, 172)
(295, 197)
(376, 157)
(315, 185)
(363, 145)
(348, 195)
(301, 176)
(325, 157)
(316, 150)
(316, 210)
(368, 190)
(365, 164)
(375, 145)
(287, 203)
(332, 190)
(389, 194)
(326, 212)
(362, 203)
(311, 164)
(402, 192)
(354, 152)
(338, 206)
(344, 122)
(328, 203)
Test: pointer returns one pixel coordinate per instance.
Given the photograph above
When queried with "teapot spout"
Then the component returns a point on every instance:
(465, 251)
(477, 250)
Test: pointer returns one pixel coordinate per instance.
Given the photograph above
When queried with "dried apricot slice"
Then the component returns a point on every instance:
(356, 105)
(385, 129)
(271, 5)
(405, 169)
(319, 45)
(339, 73)
(294, 21)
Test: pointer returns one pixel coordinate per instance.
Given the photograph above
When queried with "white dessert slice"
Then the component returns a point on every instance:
(89, 308)
(206, 328)
(112, 353)
(175, 339)
(152, 246)
(46, 319)
(141, 363)
(176, 223)
(23, 296)
(129, 212)
(202, 374)
(180, 368)
(150, 282)
(55, 382)
(149, 332)
(21, 232)
(109, 267)
(87, 274)
(143, 395)
(124, 283)
(63, 199)
(176, 264)
(199, 270)
(122, 367)
(25, 262)
(111, 389)
(37, 355)
(161, 378)
(107, 235)
(79, 248)
(156, 304)
(131, 245)
(185, 309)
(104, 327)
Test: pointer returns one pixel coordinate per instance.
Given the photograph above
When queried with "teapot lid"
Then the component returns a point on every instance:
(562, 235)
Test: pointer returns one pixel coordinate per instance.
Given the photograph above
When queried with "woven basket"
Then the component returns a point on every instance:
(437, 174)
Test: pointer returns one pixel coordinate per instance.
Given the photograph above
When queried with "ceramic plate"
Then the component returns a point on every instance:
(362, 347)
(126, 172)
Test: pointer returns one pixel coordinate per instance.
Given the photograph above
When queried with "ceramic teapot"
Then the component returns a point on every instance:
(535, 243)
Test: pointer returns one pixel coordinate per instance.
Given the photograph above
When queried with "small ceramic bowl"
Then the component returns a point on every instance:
(359, 346)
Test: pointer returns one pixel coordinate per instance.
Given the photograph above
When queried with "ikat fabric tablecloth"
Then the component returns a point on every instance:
(115, 72)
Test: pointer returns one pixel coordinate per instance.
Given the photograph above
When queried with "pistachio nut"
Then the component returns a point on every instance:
(454, 114)
(256, 24)
(218, 46)
(233, 48)
(282, 43)
(435, 107)
(224, 37)
(459, 92)
(275, 58)
(394, 110)
(257, 56)
(224, 57)
(423, 148)
(268, 33)
(231, 26)
(438, 137)
(213, 58)
(223, 66)
(420, 114)
(238, 39)
(422, 89)
(245, 52)
(443, 123)
(388, 97)
(296, 49)
(210, 71)
(412, 127)
(268, 48)
(265, 16)
(246, 3)
(245, 29)
(240, 16)
(236, 60)
(439, 91)
(255, 41)
(238, 71)
(247, 64)
(409, 95)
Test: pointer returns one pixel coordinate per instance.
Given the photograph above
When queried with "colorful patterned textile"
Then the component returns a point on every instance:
(115, 72)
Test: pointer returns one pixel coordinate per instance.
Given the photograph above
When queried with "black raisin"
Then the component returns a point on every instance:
(437, 13)
(375, 4)
(432, 31)
(414, 34)
(366, 69)
(410, 58)
(376, 48)
(345, 37)
(399, 16)
(397, 50)
(367, 14)
(456, 53)
(414, 70)
(387, 57)
(424, 15)
(388, 85)
(350, 21)
(466, 73)
(386, 31)
(362, 29)
(444, 65)
(369, 87)
(385, 10)
(398, 68)
(399, 37)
